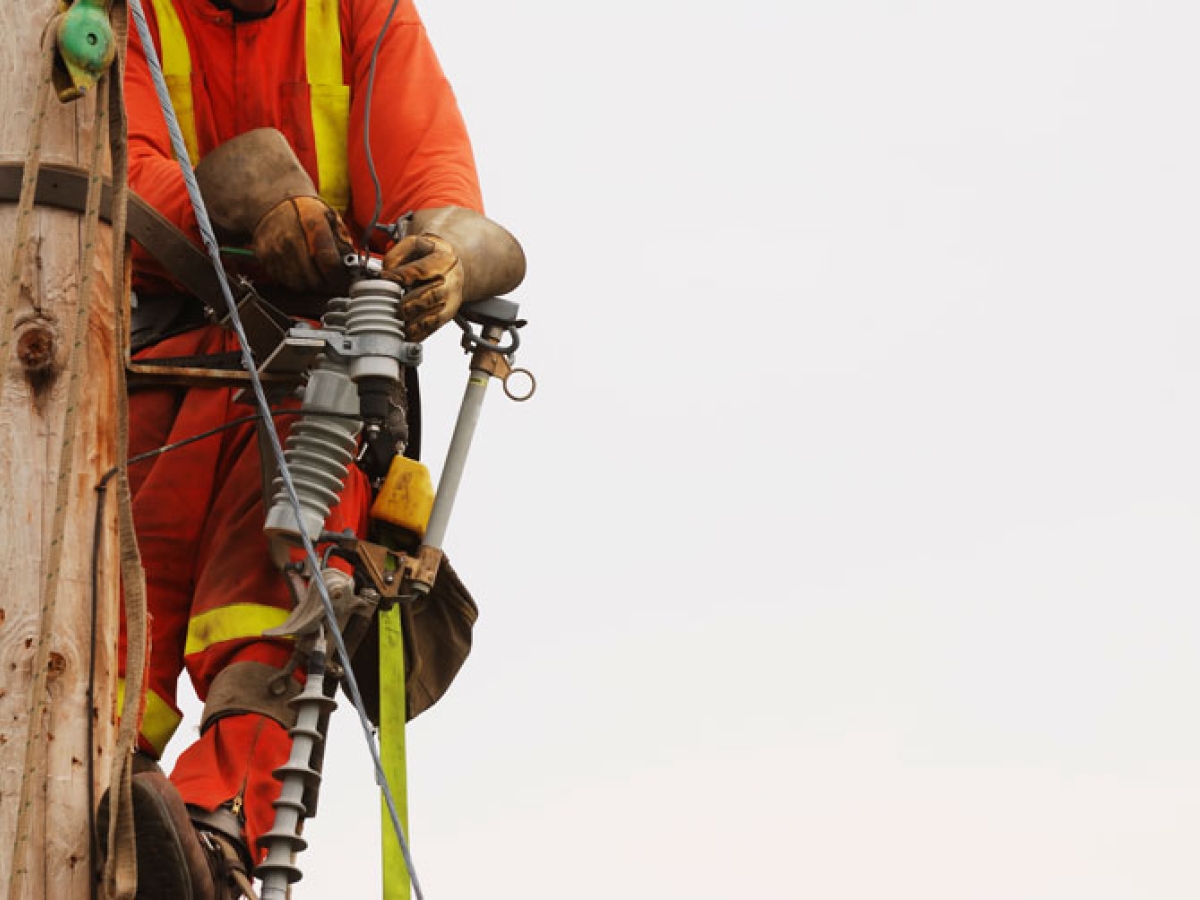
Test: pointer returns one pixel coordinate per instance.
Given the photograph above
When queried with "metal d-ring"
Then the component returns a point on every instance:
(519, 398)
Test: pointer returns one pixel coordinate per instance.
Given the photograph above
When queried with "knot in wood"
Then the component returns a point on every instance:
(57, 664)
(37, 346)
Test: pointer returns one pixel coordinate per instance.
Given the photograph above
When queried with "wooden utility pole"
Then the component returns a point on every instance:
(45, 819)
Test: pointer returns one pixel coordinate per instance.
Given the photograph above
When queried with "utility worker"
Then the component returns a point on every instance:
(272, 98)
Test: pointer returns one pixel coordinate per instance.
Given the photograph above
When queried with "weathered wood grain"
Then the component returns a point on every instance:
(32, 414)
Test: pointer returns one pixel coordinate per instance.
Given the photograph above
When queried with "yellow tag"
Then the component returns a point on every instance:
(406, 498)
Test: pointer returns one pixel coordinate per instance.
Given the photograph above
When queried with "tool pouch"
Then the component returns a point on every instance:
(437, 640)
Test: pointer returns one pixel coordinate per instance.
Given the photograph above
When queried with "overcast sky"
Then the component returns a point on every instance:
(848, 548)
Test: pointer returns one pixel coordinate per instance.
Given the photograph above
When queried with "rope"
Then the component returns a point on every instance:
(210, 244)
(120, 875)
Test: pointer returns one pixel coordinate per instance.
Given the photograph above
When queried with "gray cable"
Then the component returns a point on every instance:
(210, 244)
(369, 231)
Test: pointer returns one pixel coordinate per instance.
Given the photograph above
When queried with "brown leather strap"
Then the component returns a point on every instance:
(65, 187)
(246, 686)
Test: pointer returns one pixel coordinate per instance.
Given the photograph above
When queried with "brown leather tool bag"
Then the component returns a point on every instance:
(437, 639)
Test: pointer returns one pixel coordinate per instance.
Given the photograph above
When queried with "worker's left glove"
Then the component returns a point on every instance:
(302, 244)
(256, 188)
(450, 256)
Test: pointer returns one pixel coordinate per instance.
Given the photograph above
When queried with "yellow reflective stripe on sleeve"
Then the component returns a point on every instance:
(159, 720)
(177, 70)
(330, 100)
(231, 623)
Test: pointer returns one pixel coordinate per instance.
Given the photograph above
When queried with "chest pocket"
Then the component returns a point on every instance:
(328, 94)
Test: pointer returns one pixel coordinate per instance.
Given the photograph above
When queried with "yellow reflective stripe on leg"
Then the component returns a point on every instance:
(231, 623)
(330, 100)
(177, 70)
(392, 714)
(159, 720)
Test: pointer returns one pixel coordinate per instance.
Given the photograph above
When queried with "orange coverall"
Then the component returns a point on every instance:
(198, 510)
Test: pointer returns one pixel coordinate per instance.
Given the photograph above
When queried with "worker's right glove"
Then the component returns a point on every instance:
(429, 270)
(450, 255)
(256, 188)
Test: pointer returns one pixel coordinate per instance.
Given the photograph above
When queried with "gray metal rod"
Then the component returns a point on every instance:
(456, 458)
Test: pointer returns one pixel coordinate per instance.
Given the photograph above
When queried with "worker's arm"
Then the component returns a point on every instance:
(153, 172)
(452, 253)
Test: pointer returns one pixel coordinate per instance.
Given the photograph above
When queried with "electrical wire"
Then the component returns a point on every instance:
(210, 243)
(370, 229)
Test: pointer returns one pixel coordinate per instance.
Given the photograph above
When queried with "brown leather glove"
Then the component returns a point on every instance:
(302, 244)
(453, 256)
(255, 187)
(429, 270)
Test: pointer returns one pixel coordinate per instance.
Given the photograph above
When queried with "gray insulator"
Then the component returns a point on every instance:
(283, 841)
(373, 321)
(335, 314)
(319, 452)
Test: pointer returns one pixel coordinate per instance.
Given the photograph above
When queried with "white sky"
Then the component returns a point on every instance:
(848, 548)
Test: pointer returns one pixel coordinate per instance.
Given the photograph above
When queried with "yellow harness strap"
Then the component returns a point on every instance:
(397, 883)
(330, 96)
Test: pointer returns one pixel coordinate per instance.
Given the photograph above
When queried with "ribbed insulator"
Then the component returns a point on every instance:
(335, 314)
(373, 318)
(319, 451)
(284, 841)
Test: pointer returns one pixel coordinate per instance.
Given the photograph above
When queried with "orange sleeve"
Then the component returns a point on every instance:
(422, 153)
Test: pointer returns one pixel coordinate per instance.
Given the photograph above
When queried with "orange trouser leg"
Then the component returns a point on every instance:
(211, 586)
(232, 763)
(171, 495)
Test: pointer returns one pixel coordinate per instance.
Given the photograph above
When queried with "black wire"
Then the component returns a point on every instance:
(232, 423)
(370, 229)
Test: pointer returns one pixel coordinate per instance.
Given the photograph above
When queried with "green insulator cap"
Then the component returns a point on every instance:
(86, 47)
